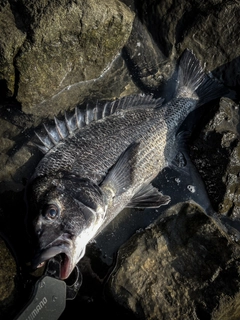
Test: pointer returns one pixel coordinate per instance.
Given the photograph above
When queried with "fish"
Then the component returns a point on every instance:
(103, 159)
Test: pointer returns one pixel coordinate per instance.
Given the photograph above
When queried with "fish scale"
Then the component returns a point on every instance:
(102, 160)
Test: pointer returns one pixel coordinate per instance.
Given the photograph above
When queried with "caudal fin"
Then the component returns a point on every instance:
(190, 74)
(194, 83)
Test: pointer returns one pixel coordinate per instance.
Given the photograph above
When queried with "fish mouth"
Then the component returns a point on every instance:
(61, 246)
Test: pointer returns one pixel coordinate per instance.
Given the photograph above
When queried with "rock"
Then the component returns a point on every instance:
(69, 45)
(179, 268)
(226, 122)
(231, 200)
(11, 40)
(59, 47)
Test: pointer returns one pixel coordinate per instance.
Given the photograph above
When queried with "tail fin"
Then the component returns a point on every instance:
(190, 74)
(194, 83)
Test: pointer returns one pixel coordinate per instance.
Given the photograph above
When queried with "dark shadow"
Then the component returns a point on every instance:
(230, 73)
(13, 232)
(19, 12)
(4, 92)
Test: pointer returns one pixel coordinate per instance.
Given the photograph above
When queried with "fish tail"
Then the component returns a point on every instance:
(194, 83)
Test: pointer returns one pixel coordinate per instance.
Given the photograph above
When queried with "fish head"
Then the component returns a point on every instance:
(63, 216)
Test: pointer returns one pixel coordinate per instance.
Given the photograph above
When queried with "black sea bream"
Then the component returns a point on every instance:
(100, 161)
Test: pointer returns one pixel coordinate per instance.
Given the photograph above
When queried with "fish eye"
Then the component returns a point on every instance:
(50, 212)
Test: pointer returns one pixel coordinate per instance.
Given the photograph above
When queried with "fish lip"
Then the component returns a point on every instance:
(62, 245)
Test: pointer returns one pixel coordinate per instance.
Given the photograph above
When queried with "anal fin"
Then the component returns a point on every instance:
(148, 197)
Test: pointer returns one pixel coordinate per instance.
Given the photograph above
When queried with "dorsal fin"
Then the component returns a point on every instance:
(52, 135)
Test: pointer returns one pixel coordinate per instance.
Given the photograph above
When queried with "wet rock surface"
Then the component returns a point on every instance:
(55, 55)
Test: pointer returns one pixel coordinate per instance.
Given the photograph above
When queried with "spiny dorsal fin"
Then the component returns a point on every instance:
(52, 135)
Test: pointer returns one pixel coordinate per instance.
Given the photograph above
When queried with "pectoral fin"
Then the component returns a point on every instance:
(119, 178)
(148, 197)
